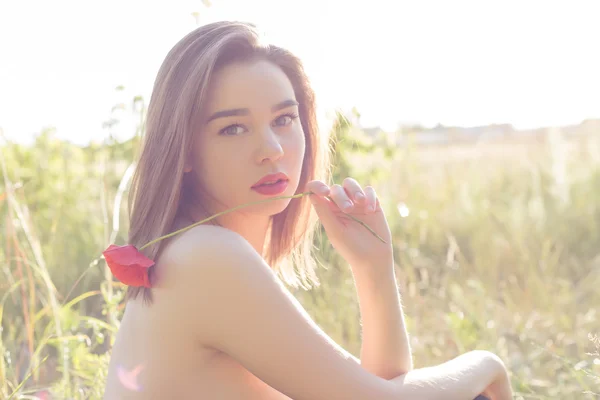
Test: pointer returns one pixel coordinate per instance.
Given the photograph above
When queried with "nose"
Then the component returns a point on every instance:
(269, 147)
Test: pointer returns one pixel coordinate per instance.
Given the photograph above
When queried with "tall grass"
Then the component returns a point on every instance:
(496, 246)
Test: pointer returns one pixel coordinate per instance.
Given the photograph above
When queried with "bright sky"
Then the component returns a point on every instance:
(530, 63)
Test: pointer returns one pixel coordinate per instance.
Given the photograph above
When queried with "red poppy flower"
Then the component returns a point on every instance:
(128, 265)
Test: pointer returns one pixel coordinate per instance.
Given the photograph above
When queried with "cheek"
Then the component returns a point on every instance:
(299, 146)
(295, 152)
(206, 166)
(222, 170)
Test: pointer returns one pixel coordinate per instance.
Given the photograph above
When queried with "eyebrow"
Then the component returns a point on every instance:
(244, 111)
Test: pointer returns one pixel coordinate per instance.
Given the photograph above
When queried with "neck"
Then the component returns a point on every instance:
(253, 228)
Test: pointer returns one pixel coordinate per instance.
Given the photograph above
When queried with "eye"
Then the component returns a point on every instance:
(232, 130)
(285, 119)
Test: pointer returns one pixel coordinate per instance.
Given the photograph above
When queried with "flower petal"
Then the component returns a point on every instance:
(127, 255)
(128, 265)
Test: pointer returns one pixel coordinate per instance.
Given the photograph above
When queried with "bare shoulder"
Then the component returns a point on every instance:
(229, 299)
(204, 234)
(204, 243)
(207, 271)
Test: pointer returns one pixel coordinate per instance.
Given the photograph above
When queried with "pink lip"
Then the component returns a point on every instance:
(270, 178)
(272, 190)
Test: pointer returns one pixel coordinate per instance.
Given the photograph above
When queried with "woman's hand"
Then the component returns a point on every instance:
(355, 243)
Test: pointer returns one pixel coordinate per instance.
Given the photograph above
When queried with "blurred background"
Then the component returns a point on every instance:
(478, 123)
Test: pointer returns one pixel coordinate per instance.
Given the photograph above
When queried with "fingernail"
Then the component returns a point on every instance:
(324, 190)
(346, 205)
(371, 207)
(359, 196)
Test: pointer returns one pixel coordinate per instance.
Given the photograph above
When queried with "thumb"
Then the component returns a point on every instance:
(324, 208)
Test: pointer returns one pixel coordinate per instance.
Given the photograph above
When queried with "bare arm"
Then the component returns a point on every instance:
(238, 305)
(385, 349)
(464, 377)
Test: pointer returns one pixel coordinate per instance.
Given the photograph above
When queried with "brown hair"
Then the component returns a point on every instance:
(159, 191)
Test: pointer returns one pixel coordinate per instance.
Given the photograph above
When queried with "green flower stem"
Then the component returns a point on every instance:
(366, 226)
(242, 206)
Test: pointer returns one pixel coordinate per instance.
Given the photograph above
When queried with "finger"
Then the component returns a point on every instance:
(371, 202)
(318, 187)
(353, 190)
(325, 209)
(340, 198)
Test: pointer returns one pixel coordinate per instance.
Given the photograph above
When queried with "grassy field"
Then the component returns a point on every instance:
(497, 247)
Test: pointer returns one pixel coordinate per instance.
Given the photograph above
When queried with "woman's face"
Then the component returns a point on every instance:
(251, 128)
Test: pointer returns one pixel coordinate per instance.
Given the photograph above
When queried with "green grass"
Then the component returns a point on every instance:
(499, 251)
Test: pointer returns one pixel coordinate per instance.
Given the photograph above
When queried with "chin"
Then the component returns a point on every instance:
(277, 206)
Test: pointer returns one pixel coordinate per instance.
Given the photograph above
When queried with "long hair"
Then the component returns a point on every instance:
(159, 192)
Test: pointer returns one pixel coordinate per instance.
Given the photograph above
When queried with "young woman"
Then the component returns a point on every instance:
(232, 121)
